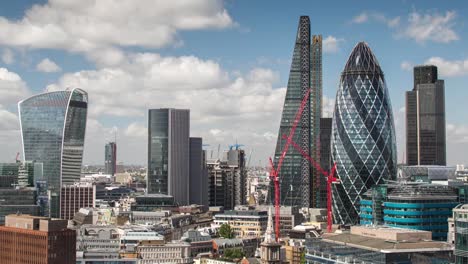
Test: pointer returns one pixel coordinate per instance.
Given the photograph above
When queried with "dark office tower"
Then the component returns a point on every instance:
(53, 128)
(168, 153)
(296, 175)
(425, 119)
(198, 173)
(325, 160)
(236, 161)
(363, 133)
(111, 158)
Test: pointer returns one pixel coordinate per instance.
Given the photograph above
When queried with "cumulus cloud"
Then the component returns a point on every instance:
(136, 130)
(12, 87)
(8, 56)
(368, 16)
(449, 68)
(331, 44)
(47, 65)
(407, 66)
(88, 25)
(361, 18)
(431, 26)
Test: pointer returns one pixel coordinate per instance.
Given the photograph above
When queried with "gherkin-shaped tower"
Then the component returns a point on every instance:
(363, 133)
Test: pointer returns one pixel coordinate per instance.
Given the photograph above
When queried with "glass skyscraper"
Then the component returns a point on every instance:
(363, 133)
(53, 128)
(110, 158)
(168, 153)
(297, 177)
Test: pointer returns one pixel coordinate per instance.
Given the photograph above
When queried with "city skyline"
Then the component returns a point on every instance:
(231, 78)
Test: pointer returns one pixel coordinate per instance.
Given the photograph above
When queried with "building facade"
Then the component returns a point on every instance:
(325, 161)
(27, 239)
(460, 234)
(18, 200)
(75, 197)
(110, 158)
(244, 223)
(53, 128)
(298, 178)
(425, 118)
(198, 173)
(168, 153)
(363, 133)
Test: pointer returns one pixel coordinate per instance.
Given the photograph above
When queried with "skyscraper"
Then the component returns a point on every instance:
(110, 156)
(53, 128)
(297, 177)
(363, 133)
(198, 173)
(425, 118)
(168, 153)
(325, 161)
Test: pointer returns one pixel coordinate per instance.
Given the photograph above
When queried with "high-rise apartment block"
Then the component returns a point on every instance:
(74, 197)
(425, 118)
(299, 178)
(168, 153)
(30, 239)
(53, 128)
(363, 133)
(110, 158)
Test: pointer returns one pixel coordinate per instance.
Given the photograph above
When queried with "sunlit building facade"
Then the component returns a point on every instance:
(363, 133)
(53, 128)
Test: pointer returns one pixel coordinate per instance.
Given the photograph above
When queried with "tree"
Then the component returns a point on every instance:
(225, 231)
(233, 253)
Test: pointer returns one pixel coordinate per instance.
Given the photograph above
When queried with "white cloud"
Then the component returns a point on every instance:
(331, 44)
(8, 56)
(89, 25)
(361, 18)
(449, 68)
(46, 65)
(407, 66)
(434, 27)
(12, 87)
(136, 130)
(457, 133)
(328, 106)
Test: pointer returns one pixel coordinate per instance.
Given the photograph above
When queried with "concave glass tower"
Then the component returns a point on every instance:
(53, 128)
(363, 133)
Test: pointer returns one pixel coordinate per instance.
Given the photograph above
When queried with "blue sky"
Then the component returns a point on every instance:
(227, 61)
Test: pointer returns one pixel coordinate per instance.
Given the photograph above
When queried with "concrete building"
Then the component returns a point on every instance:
(30, 239)
(425, 119)
(198, 173)
(378, 245)
(458, 235)
(168, 153)
(200, 243)
(75, 197)
(289, 217)
(174, 252)
(110, 158)
(244, 223)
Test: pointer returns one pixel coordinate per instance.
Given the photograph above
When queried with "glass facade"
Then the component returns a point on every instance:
(297, 176)
(363, 133)
(158, 159)
(110, 158)
(53, 128)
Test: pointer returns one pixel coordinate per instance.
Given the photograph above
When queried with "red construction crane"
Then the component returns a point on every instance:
(330, 180)
(274, 172)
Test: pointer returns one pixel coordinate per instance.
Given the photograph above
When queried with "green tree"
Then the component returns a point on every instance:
(233, 253)
(225, 231)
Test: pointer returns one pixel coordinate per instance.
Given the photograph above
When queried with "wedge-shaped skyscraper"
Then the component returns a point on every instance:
(298, 181)
(53, 128)
(363, 133)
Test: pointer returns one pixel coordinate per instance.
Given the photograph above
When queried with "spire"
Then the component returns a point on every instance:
(270, 234)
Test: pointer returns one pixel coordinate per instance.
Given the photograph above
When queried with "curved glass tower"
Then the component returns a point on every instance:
(53, 127)
(363, 133)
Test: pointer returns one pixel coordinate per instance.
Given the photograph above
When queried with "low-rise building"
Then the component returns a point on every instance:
(244, 223)
(154, 253)
(200, 243)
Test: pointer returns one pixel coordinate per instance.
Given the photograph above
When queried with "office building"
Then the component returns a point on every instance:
(325, 161)
(363, 133)
(174, 252)
(18, 200)
(425, 118)
(236, 162)
(458, 235)
(298, 176)
(413, 205)
(290, 217)
(8, 174)
(30, 239)
(168, 153)
(53, 128)
(198, 173)
(75, 197)
(378, 245)
(110, 158)
(243, 223)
